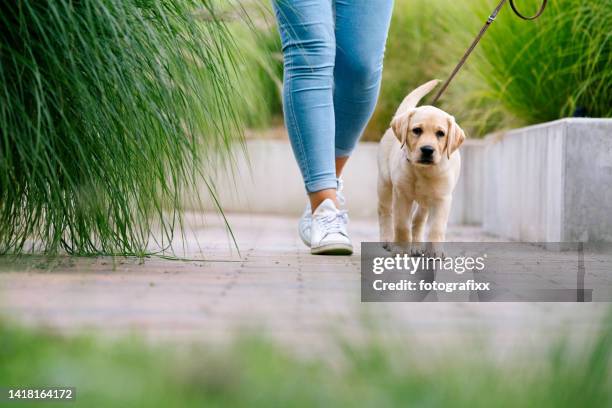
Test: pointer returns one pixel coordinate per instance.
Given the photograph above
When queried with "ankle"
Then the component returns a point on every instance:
(318, 197)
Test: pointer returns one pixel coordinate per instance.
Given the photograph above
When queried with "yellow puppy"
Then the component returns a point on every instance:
(418, 166)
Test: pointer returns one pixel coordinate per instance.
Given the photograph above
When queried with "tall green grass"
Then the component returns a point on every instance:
(109, 110)
(521, 73)
(531, 72)
(260, 64)
(256, 373)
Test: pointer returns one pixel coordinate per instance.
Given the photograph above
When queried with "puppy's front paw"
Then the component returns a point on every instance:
(396, 248)
(434, 250)
(417, 249)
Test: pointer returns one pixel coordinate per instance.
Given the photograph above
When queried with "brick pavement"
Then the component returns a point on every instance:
(275, 288)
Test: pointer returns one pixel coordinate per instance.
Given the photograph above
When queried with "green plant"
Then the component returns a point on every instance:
(260, 65)
(531, 72)
(521, 73)
(104, 122)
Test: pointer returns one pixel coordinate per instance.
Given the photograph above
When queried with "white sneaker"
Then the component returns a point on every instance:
(328, 234)
(304, 225)
(306, 218)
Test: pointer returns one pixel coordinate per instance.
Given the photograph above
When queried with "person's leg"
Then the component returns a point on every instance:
(340, 163)
(307, 34)
(361, 33)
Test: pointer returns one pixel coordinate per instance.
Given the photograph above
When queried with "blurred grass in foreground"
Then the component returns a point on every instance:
(254, 373)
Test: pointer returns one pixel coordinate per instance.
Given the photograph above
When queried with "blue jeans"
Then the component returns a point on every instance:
(333, 53)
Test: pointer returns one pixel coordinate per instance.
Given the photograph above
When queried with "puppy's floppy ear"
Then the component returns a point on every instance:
(456, 136)
(400, 126)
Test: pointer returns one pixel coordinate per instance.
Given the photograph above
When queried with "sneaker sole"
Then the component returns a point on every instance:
(332, 249)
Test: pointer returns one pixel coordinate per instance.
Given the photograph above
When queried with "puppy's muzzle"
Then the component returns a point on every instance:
(427, 153)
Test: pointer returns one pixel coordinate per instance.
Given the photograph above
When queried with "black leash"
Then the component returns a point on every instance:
(483, 30)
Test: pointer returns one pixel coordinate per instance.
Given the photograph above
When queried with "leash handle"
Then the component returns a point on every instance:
(482, 32)
(535, 16)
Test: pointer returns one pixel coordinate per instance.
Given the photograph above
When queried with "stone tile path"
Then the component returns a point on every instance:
(274, 287)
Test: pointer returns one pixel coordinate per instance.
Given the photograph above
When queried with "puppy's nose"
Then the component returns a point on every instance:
(427, 151)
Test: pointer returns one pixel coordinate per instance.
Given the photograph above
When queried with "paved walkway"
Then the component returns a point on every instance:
(274, 287)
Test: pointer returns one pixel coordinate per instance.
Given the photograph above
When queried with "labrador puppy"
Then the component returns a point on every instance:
(418, 168)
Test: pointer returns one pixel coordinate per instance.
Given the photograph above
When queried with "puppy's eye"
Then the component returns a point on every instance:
(440, 133)
(417, 131)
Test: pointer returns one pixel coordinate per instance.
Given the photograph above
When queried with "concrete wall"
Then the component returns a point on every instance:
(468, 199)
(550, 182)
(271, 183)
(544, 183)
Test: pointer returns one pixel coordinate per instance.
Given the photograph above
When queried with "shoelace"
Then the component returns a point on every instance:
(335, 223)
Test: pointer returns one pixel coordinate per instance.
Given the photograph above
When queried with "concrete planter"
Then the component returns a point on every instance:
(550, 182)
